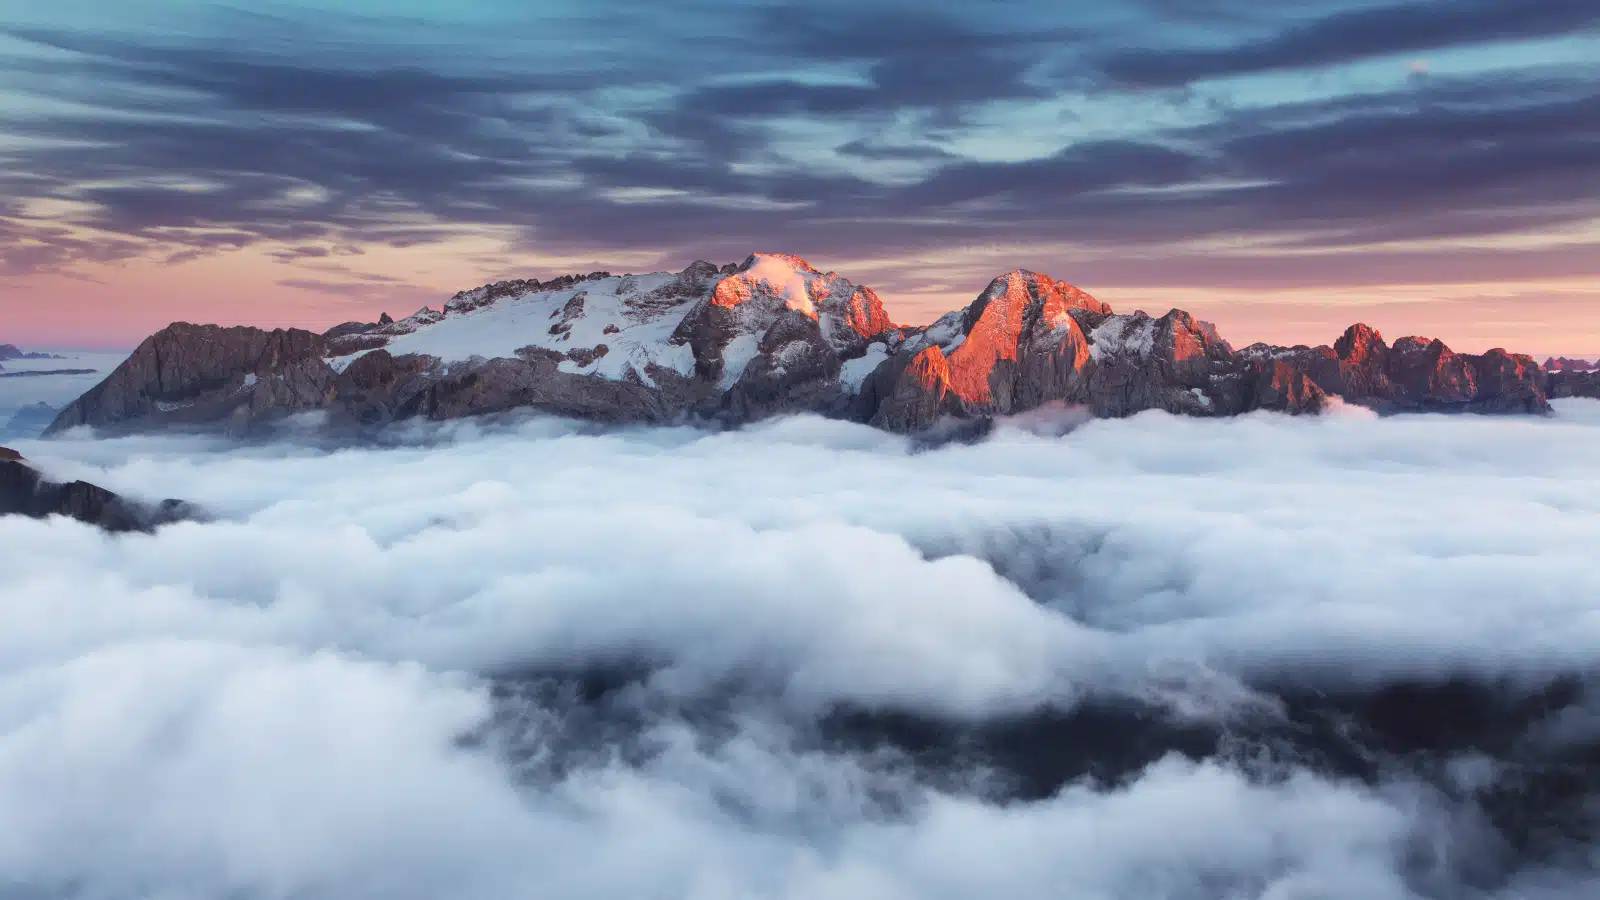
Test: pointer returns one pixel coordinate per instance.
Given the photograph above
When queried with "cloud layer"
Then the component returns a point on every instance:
(550, 660)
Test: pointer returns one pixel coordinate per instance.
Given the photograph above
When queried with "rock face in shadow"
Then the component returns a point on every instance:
(1563, 364)
(206, 375)
(502, 385)
(1574, 383)
(23, 491)
(774, 335)
(795, 369)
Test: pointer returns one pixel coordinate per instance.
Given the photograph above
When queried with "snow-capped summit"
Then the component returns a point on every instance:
(698, 328)
(847, 314)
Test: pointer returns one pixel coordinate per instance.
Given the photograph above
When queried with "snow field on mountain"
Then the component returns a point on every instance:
(637, 335)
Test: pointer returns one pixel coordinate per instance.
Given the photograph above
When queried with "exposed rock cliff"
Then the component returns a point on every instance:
(773, 335)
(204, 374)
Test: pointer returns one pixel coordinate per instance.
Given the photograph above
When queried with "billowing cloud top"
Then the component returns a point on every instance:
(805, 659)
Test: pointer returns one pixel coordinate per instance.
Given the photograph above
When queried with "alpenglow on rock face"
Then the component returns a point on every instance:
(772, 335)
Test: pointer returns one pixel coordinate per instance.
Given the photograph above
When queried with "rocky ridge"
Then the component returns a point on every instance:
(1565, 384)
(12, 351)
(773, 335)
(24, 491)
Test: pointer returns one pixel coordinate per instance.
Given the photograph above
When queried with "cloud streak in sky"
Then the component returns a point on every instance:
(879, 135)
(1360, 33)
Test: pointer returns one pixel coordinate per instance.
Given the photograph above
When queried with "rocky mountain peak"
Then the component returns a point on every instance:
(786, 260)
(1413, 344)
(849, 316)
(1038, 293)
(1360, 343)
(772, 276)
(1018, 313)
(700, 272)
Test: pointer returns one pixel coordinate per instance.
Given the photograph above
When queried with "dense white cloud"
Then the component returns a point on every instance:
(271, 704)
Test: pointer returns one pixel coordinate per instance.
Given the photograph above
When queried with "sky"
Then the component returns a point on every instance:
(1281, 169)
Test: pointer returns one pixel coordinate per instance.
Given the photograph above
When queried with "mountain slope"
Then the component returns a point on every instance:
(769, 336)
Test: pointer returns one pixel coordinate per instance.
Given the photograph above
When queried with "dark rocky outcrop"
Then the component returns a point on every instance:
(24, 491)
(773, 335)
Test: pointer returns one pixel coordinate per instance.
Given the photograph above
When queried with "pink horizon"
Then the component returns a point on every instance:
(128, 302)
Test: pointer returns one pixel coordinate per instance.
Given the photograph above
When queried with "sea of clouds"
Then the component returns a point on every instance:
(539, 659)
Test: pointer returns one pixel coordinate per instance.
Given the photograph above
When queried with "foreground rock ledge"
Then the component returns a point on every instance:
(24, 491)
(740, 342)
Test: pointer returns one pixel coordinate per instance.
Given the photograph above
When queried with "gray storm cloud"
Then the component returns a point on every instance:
(299, 699)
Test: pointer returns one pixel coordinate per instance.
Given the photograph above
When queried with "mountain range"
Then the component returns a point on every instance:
(1564, 364)
(12, 351)
(740, 342)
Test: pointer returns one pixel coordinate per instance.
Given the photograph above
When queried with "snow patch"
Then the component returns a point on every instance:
(1123, 336)
(785, 279)
(944, 333)
(1267, 352)
(340, 363)
(737, 356)
(789, 354)
(854, 372)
